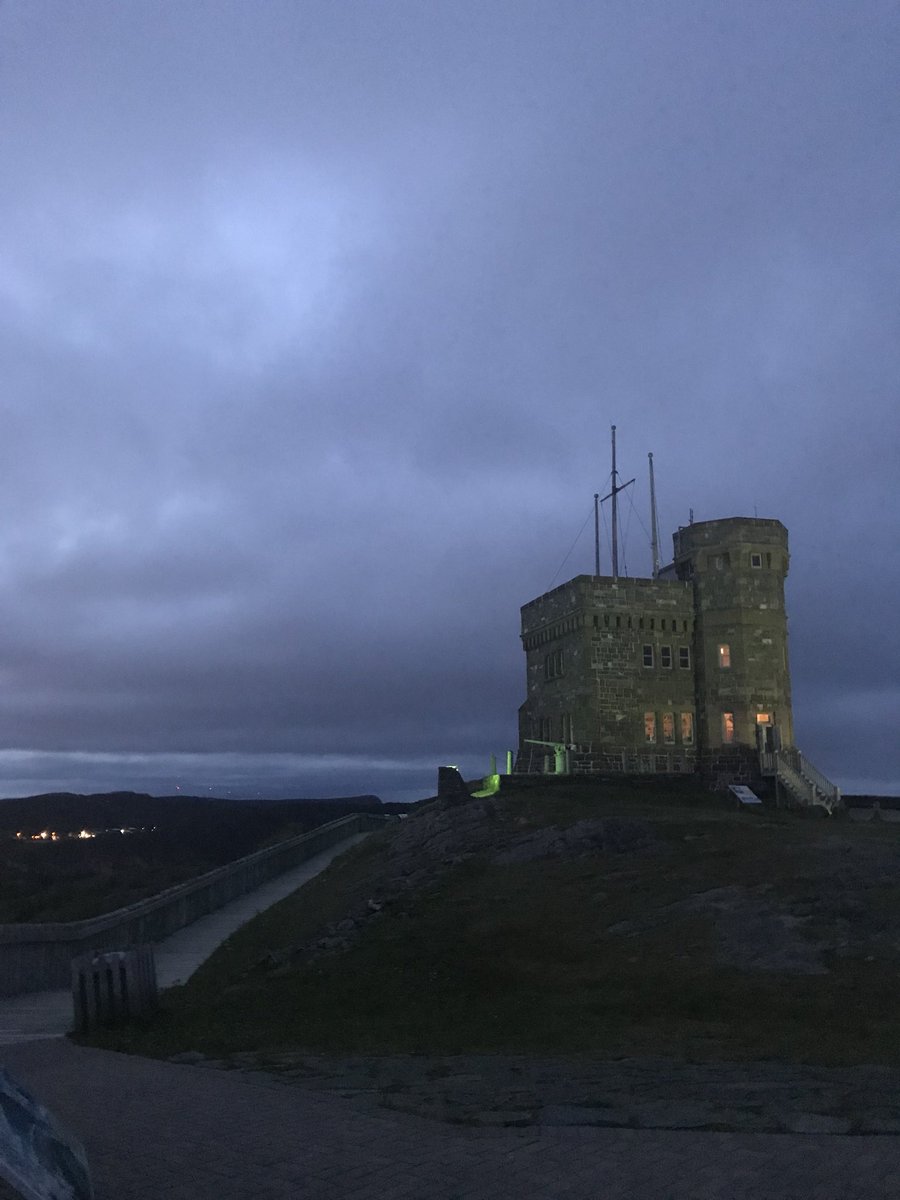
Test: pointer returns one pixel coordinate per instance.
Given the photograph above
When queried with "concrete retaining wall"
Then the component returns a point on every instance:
(36, 958)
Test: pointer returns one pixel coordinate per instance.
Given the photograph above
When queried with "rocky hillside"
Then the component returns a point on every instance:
(627, 920)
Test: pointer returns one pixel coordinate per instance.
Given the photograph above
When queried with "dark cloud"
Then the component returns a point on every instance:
(314, 319)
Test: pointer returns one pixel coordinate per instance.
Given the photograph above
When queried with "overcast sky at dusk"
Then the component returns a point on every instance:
(314, 318)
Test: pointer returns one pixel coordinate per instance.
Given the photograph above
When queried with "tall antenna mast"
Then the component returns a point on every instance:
(596, 533)
(613, 495)
(654, 522)
(615, 511)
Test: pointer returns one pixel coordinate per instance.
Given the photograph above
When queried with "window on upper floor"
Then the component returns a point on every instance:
(650, 727)
(648, 655)
(687, 729)
(669, 728)
(727, 727)
(553, 664)
(755, 560)
(665, 657)
(684, 657)
(724, 655)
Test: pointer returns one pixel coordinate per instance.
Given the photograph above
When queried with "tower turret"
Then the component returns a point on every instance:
(737, 567)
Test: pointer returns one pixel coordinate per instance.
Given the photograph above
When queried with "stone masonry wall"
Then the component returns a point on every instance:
(587, 680)
(737, 568)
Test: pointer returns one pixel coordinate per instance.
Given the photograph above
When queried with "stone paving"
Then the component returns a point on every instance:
(162, 1131)
(578, 1090)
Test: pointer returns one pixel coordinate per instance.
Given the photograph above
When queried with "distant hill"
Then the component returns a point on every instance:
(100, 810)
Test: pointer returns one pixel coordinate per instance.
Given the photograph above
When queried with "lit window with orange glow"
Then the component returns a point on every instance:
(724, 655)
(650, 728)
(687, 729)
(669, 728)
(727, 728)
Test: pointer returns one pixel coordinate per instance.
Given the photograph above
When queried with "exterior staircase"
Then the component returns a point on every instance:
(805, 784)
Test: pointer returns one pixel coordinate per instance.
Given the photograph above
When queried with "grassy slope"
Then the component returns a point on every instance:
(516, 958)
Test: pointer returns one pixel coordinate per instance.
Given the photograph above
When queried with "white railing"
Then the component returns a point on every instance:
(825, 786)
(804, 781)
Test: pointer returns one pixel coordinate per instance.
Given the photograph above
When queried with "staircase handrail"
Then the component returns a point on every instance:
(794, 781)
(815, 776)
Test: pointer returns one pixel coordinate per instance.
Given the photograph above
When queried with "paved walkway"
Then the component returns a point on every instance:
(159, 1131)
(49, 1014)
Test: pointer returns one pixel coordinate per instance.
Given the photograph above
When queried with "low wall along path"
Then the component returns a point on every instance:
(35, 958)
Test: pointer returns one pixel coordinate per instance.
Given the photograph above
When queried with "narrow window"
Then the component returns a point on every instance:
(662, 624)
(618, 622)
(687, 729)
(606, 619)
(684, 657)
(756, 560)
(665, 657)
(652, 622)
(727, 728)
(669, 728)
(640, 622)
(553, 664)
(648, 656)
(724, 655)
(649, 727)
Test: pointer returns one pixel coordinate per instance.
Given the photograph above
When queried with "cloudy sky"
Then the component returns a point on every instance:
(314, 317)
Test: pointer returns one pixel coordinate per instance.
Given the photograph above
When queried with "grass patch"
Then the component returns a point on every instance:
(517, 958)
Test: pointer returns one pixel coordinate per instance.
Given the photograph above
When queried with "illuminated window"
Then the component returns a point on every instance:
(665, 656)
(762, 718)
(687, 728)
(724, 655)
(648, 656)
(755, 560)
(727, 727)
(649, 727)
(684, 657)
(669, 728)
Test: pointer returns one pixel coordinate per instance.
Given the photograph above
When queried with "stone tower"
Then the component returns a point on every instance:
(737, 568)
